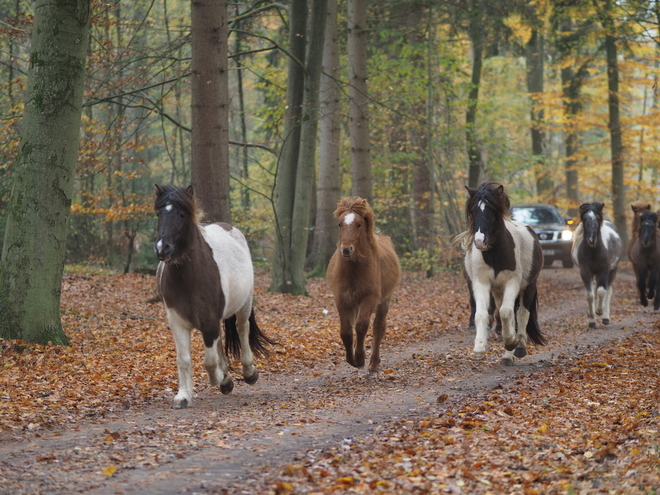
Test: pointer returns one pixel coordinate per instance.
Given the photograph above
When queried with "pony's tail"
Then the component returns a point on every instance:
(533, 330)
(257, 339)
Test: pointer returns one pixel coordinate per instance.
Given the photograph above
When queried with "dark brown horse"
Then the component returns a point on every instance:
(205, 277)
(362, 274)
(645, 257)
(638, 207)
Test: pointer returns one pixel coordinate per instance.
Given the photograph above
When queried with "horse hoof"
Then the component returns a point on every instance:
(507, 361)
(359, 363)
(182, 404)
(520, 352)
(373, 374)
(644, 303)
(252, 379)
(471, 326)
(592, 324)
(510, 347)
(479, 356)
(226, 388)
(606, 321)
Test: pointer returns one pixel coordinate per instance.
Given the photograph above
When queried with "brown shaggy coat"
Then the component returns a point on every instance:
(362, 274)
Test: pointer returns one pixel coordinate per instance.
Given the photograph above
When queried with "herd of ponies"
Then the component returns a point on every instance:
(205, 278)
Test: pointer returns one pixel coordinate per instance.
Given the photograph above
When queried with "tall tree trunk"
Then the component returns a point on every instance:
(571, 87)
(329, 178)
(210, 109)
(285, 178)
(535, 59)
(307, 159)
(35, 237)
(616, 145)
(475, 161)
(358, 116)
(243, 161)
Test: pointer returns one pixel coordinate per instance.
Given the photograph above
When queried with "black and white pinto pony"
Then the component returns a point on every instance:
(205, 277)
(597, 249)
(503, 259)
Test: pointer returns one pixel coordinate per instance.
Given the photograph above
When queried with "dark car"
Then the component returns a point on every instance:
(554, 234)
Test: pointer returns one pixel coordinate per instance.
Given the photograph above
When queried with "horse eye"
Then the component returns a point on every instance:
(339, 224)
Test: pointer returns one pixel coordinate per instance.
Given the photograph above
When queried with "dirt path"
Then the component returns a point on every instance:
(231, 444)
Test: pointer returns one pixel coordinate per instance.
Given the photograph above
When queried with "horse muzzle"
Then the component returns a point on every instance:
(481, 245)
(346, 252)
(163, 250)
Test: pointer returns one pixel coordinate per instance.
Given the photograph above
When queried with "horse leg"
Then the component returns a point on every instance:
(481, 319)
(607, 297)
(641, 275)
(656, 299)
(346, 321)
(652, 282)
(366, 309)
(250, 373)
(589, 283)
(508, 316)
(215, 360)
(473, 307)
(380, 324)
(181, 330)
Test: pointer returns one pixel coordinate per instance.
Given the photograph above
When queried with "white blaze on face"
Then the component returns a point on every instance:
(168, 207)
(159, 244)
(349, 218)
(591, 214)
(482, 205)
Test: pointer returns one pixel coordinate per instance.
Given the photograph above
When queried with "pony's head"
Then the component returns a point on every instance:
(648, 223)
(175, 207)
(356, 225)
(591, 216)
(485, 209)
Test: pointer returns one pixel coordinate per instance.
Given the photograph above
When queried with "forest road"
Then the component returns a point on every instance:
(232, 444)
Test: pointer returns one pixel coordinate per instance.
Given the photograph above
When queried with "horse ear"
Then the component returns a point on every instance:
(158, 189)
(189, 190)
(471, 191)
(500, 190)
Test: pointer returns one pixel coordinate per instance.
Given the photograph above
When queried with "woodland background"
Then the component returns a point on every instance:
(448, 87)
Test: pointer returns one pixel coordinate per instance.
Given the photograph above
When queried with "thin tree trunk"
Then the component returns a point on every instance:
(285, 179)
(35, 238)
(308, 136)
(358, 106)
(475, 161)
(535, 63)
(210, 109)
(329, 178)
(571, 86)
(616, 145)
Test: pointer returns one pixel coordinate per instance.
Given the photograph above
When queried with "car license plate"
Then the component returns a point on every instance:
(548, 252)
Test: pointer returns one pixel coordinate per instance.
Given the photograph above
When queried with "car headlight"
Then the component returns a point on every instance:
(567, 235)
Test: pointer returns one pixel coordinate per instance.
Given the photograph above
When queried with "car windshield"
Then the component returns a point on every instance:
(537, 215)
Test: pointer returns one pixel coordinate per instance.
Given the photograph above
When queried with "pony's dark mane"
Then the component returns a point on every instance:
(492, 193)
(361, 207)
(180, 198)
(597, 208)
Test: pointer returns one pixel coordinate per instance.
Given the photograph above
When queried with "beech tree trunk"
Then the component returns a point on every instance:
(475, 160)
(285, 178)
(329, 178)
(616, 145)
(35, 237)
(305, 170)
(210, 109)
(358, 116)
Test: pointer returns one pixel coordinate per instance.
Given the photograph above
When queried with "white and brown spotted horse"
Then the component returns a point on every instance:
(503, 259)
(597, 249)
(205, 277)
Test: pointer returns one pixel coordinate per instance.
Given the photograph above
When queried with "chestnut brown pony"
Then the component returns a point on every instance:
(362, 274)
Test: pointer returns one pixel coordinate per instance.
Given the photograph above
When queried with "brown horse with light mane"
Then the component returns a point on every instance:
(362, 274)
